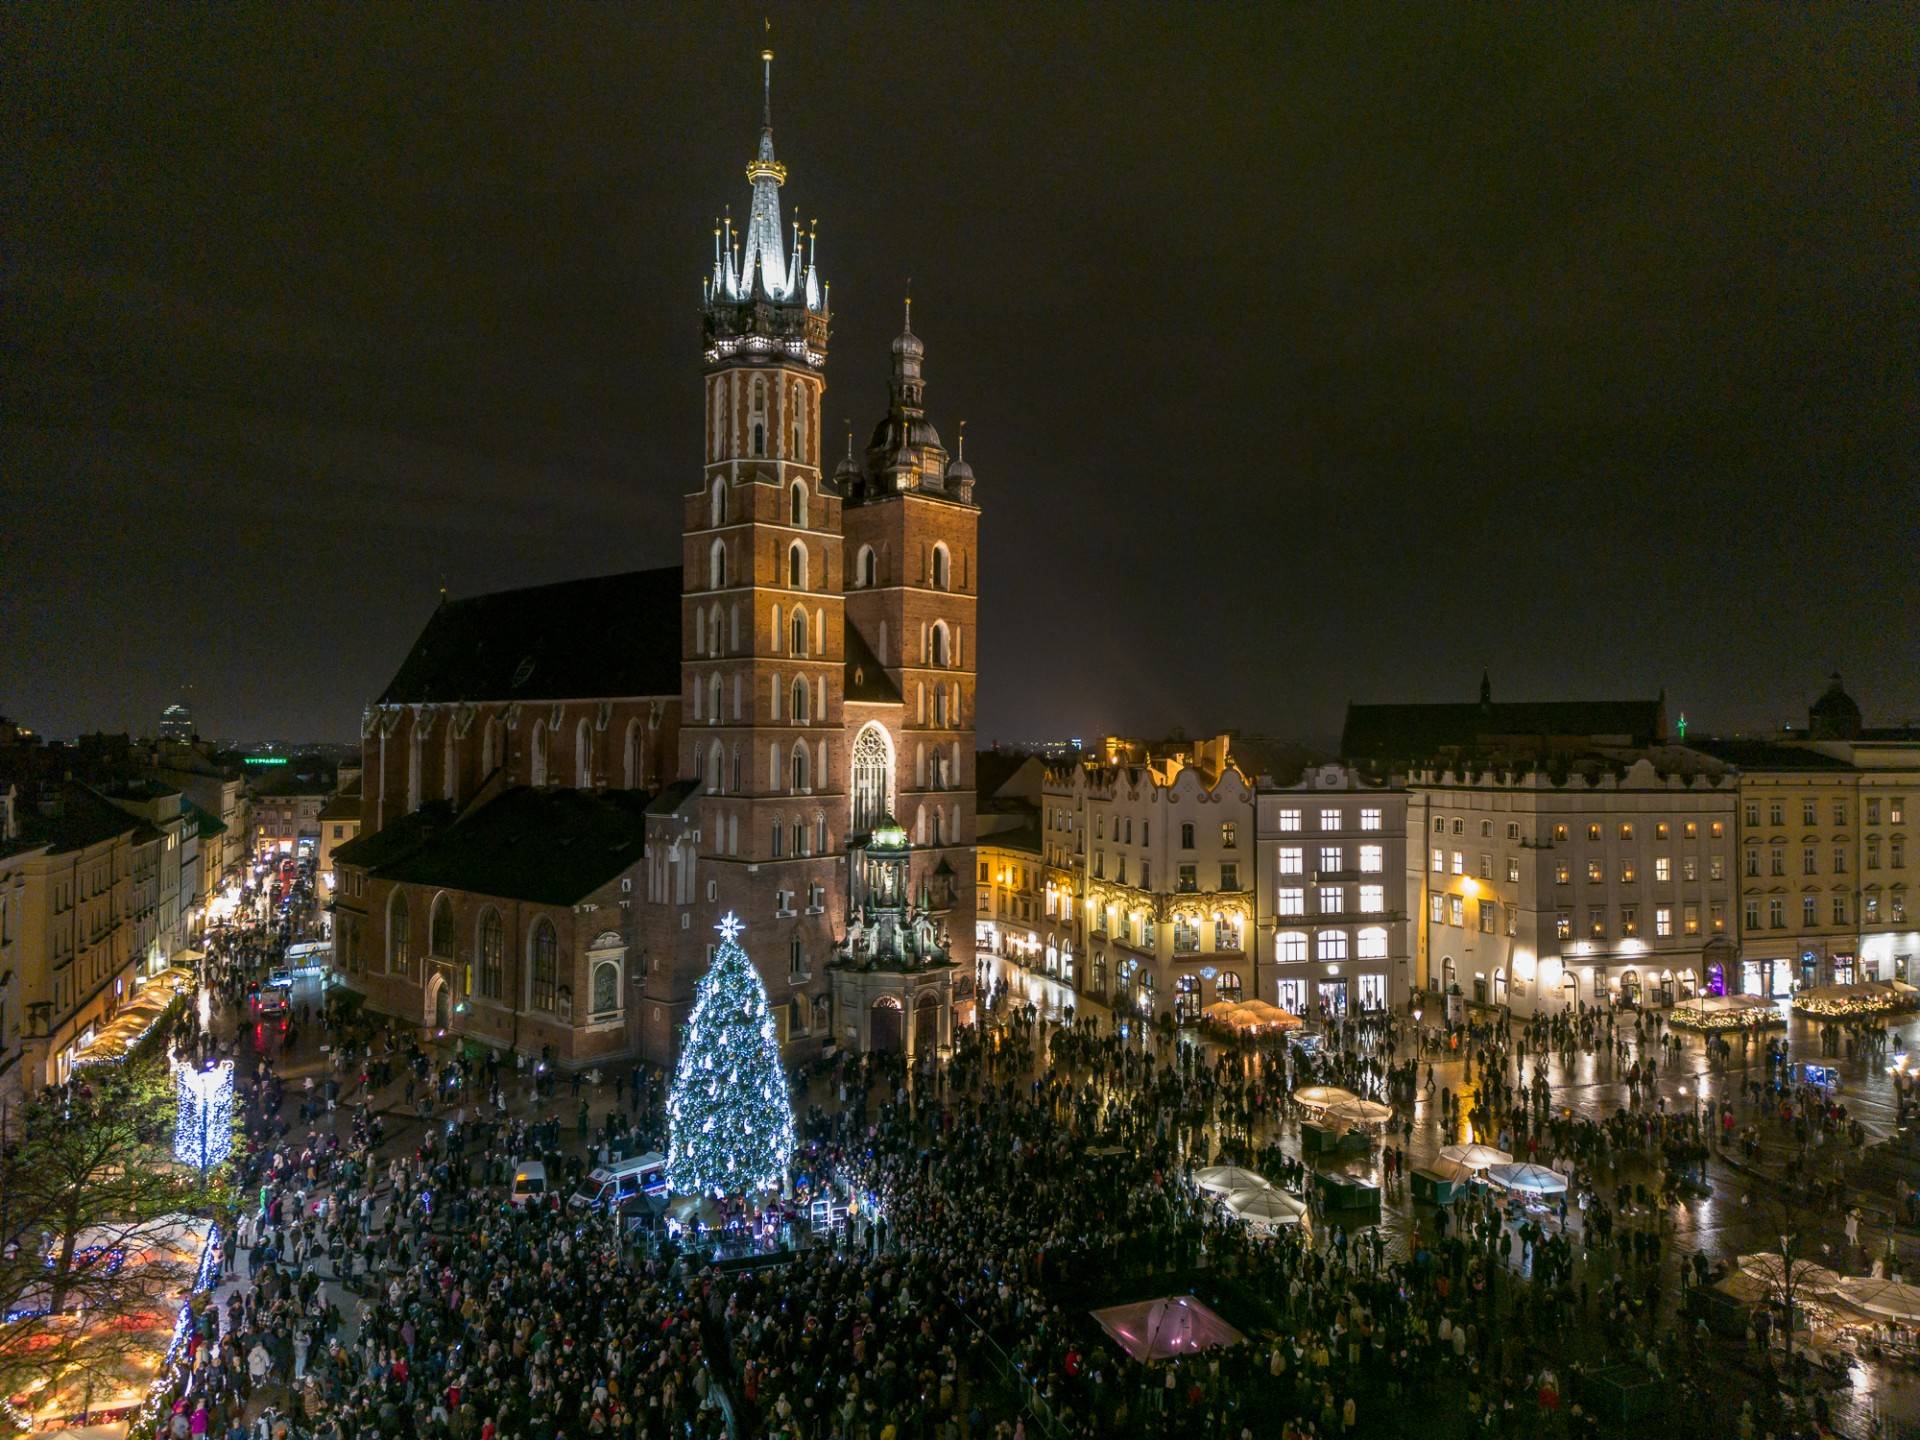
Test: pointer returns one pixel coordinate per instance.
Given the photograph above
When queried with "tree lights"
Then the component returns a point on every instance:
(730, 1116)
(203, 1121)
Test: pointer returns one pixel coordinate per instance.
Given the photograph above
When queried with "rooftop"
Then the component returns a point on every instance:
(550, 847)
(599, 638)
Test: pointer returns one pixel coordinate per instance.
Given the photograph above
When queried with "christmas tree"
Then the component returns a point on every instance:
(731, 1122)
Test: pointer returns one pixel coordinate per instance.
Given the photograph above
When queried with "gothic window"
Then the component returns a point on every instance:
(802, 766)
(942, 567)
(736, 767)
(544, 949)
(713, 699)
(416, 744)
(492, 948)
(714, 757)
(713, 628)
(866, 572)
(872, 778)
(440, 928)
(758, 414)
(717, 507)
(937, 827)
(802, 700)
(399, 958)
(583, 755)
(717, 565)
(719, 424)
(797, 565)
(797, 504)
(699, 632)
(939, 707)
(538, 753)
(490, 749)
(799, 631)
(799, 426)
(939, 645)
(631, 768)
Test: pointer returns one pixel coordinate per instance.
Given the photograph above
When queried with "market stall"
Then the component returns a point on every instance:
(1226, 1179)
(1854, 1002)
(1712, 1013)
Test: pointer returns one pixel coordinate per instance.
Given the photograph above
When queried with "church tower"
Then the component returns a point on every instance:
(912, 538)
(762, 623)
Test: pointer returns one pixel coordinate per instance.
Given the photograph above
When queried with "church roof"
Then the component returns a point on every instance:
(867, 680)
(603, 637)
(549, 847)
(1410, 732)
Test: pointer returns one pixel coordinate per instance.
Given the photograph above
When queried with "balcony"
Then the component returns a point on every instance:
(1346, 874)
(1352, 917)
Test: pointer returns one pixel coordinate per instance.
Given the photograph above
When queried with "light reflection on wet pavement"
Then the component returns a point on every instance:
(1743, 1212)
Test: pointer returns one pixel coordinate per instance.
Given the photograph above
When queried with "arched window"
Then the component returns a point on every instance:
(537, 753)
(440, 928)
(872, 778)
(757, 416)
(1330, 945)
(713, 698)
(399, 953)
(1186, 999)
(1227, 987)
(720, 420)
(866, 573)
(631, 770)
(1449, 976)
(1290, 946)
(938, 828)
(802, 767)
(802, 700)
(736, 766)
(717, 506)
(543, 951)
(938, 645)
(942, 567)
(416, 747)
(491, 948)
(797, 504)
(714, 761)
(490, 747)
(583, 756)
(797, 565)
(717, 565)
(1371, 943)
(699, 632)
(606, 988)
(799, 422)
(799, 631)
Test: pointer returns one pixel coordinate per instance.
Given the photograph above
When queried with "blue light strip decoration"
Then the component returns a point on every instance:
(203, 1122)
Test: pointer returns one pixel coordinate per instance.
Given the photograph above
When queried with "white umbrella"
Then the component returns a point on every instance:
(1225, 1179)
(1534, 1179)
(1320, 1096)
(1360, 1112)
(1451, 1170)
(1475, 1157)
(1269, 1206)
(1882, 1297)
(1771, 1268)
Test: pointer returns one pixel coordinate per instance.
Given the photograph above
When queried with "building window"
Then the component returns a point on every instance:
(1596, 873)
(544, 950)
(1839, 812)
(1593, 833)
(1186, 836)
(1489, 916)
(1839, 909)
(1563, 925)
(1663, 921)
(1373, 859)
(1229, 834)
(1597, 922)
(1439, 862)
(1332, 900)
(1226, 933)
(1187, 880)
(872, 775)
(399, 954)
(1290, 900)
(797, 566)
(1459, 864)
(440, 928)
(1371, 943)
(1809, 910)
(1293, 860)
(1330, 945)
(1370, 819)
(1329, 819)
(1373, 899)
(1290, 819)
(1562, 873)
(1456, 910)
(1486, 829)
(606, 988)
(492, 947)
(1186, 935)
(1560, 833)
(1513, 872)
(1839, 859)
(1229, 876)
(1291, 946)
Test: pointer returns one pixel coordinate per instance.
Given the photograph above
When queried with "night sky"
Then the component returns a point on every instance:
(1306, 356)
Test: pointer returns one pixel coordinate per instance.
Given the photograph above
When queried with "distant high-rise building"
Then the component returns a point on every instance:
(176, 722)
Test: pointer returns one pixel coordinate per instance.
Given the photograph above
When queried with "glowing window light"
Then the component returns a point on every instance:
(203, 1122)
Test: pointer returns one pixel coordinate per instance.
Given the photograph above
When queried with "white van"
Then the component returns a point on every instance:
(609, 1186)
(529, 1183)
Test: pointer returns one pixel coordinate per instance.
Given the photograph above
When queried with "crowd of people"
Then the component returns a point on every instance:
(380, 1280)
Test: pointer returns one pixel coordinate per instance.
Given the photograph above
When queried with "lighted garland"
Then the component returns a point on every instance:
(203, 1119)
(731, 1120)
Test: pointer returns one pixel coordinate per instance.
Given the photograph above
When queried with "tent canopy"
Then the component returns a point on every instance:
(1225, 1179)
(1164, 1329)
(1531, 1179)
(1475, 1157)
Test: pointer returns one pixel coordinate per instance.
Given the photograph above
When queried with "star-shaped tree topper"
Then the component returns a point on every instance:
(730, 926)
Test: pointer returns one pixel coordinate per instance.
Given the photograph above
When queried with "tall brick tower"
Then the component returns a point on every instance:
(912, 535)
(762, 637)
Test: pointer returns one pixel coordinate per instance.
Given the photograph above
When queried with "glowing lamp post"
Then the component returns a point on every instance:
(203, 1122)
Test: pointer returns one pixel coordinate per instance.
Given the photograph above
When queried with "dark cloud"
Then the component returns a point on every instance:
(1307, 355)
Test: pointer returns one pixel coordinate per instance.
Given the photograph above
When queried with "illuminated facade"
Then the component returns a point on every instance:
(803, 678)
(1154, 855)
